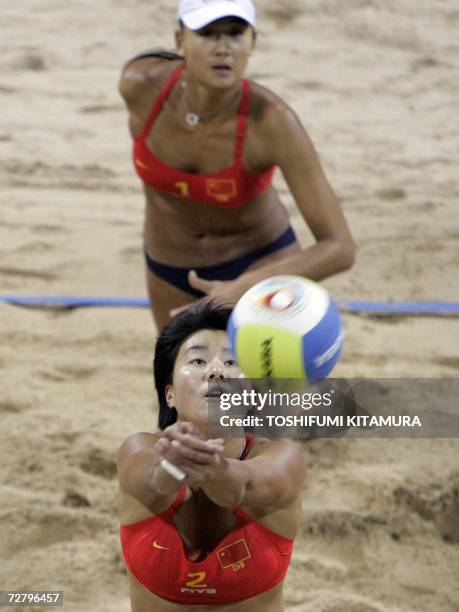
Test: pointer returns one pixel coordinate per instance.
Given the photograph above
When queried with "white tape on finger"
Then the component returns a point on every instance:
(172, 470)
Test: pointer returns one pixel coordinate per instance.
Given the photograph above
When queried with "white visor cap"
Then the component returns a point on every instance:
(196, 14)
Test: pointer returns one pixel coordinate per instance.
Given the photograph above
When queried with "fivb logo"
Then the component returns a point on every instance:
(196, 584)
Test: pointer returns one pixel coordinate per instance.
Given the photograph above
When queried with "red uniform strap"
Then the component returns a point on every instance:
(242, 121)
(160, 100)
(249, 441)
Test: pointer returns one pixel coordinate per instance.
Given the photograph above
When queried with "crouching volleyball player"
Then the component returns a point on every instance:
(205, 523)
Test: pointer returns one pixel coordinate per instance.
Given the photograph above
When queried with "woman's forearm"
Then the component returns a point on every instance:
(316, 262)
(163, 482)
(228, 485)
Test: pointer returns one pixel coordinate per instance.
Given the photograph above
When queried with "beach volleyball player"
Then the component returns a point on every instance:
(206, 524)
(206, 142)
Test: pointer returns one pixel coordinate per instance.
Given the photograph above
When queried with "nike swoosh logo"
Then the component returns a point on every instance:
(141, 164)
(156, 545)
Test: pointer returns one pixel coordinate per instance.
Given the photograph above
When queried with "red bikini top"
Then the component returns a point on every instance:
(248, 561)
(231, 187)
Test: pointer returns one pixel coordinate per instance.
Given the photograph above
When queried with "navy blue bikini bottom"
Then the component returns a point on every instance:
(226, 271)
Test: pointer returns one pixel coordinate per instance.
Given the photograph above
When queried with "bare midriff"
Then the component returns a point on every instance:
(184, 233)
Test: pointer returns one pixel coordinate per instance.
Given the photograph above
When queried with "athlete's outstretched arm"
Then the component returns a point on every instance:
(271, 479)
(293, 152)
(141, 474)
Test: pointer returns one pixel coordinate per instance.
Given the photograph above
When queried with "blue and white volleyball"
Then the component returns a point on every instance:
(286, 327)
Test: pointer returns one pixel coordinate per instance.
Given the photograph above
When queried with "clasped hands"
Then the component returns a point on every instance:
(187, 456)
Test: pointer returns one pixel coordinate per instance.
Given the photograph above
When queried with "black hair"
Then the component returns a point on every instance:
(202, 315)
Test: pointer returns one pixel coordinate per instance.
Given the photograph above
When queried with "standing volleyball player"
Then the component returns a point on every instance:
(206, 144)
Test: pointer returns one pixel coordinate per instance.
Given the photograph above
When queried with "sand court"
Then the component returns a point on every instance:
(376, 84)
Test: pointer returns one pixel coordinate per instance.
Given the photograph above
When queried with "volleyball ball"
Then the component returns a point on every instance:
(286, 327)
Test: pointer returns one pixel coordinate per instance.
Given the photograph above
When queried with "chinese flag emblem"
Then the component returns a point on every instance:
(234, 555)
(221, 189)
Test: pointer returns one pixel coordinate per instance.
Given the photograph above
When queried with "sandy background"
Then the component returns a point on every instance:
(376, 83)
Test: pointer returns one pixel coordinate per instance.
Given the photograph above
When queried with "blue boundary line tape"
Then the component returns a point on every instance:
(374, 308)
(63, 301)
(402, 308)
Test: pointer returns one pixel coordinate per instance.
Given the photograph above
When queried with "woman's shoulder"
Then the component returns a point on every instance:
(136, 443)
(264, 102)
(271, 117)
(146, 73)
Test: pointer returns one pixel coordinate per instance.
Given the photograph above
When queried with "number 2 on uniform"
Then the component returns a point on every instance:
(197, 581)
(183, 187)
